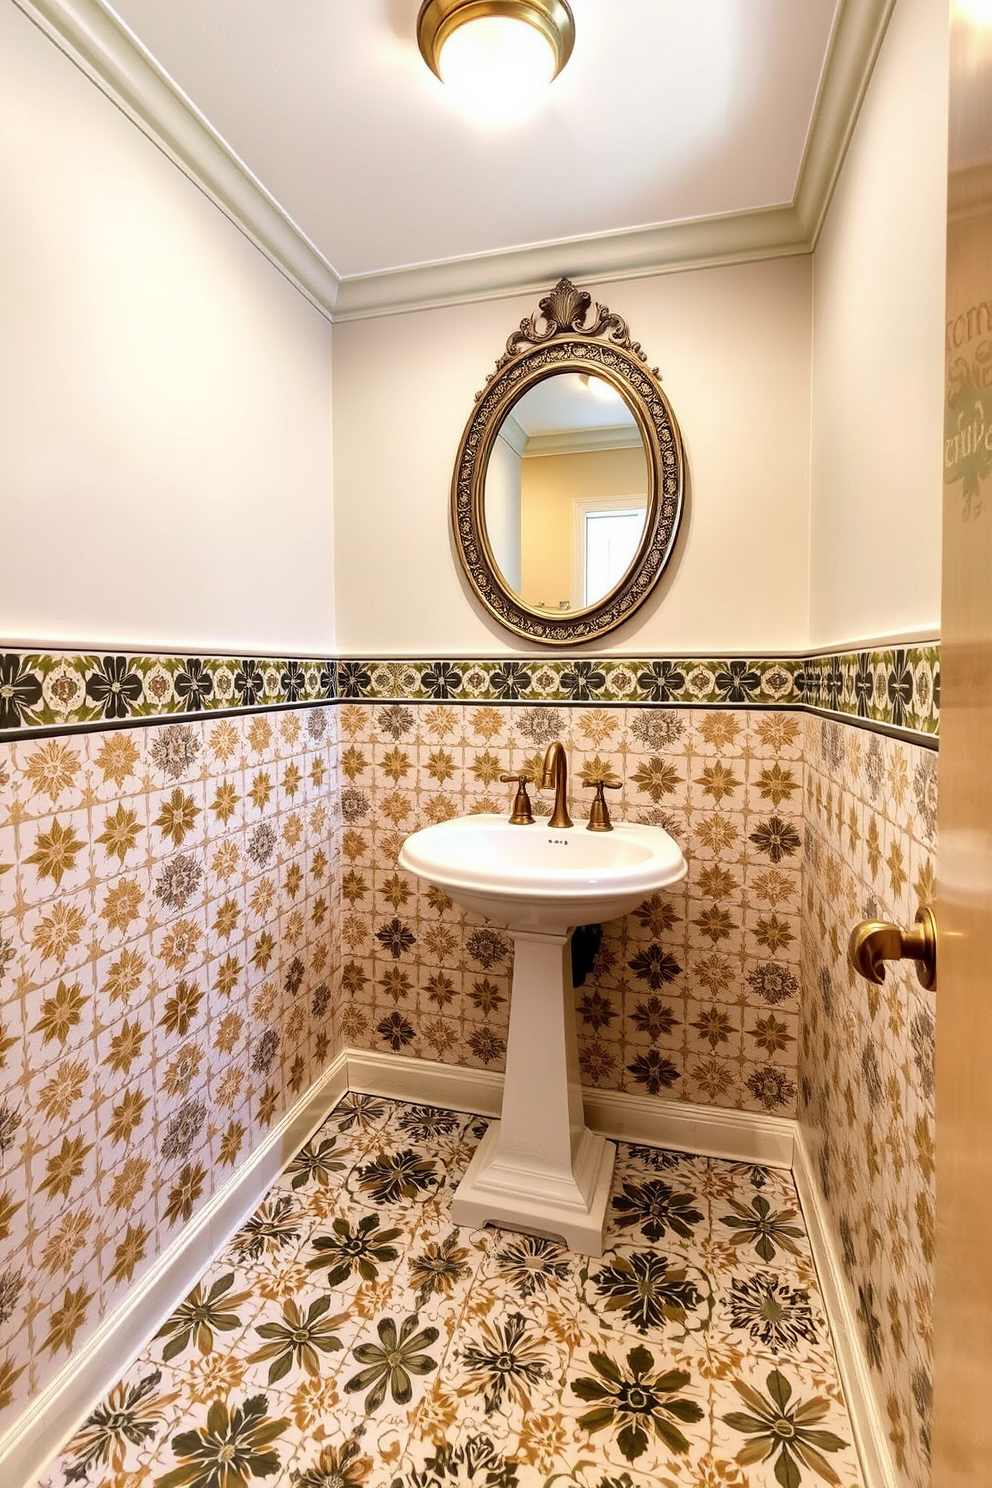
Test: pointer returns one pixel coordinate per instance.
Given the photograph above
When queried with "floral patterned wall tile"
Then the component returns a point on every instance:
(195, 914)
(866, 1057)
(694, 996)
(167, 897)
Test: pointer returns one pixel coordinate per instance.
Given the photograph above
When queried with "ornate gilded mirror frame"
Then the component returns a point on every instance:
(569, 333)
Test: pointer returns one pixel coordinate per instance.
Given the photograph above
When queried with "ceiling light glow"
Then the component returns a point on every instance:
(976, 12)
(603, 391)
(496, 68)
(496, 57)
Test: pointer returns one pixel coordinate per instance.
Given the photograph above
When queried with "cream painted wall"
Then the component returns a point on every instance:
(165, 434)
(878, 311)
(733, 345)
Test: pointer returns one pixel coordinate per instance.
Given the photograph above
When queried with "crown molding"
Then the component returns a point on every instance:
(93, 37)
(631, 253)
(855, 41)
(113, 58)
(635, 253)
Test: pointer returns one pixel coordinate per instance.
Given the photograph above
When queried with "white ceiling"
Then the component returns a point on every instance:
(562, 403)
(668, 110)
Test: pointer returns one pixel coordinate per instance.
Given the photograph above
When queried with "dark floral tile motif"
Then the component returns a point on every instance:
(771, 1313)
(40, 690)
(391, 1362)
(760, 1227)
(637, 1398)
(648, 1292)
(786, 1429)
(653, 1210)
(352, 1335)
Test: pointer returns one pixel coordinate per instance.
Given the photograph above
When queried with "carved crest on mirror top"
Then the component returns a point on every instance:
(569, 332)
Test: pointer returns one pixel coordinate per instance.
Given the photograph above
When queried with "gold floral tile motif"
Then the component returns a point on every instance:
(866, 1077)
(350, 1334)
(166, 972)
(694, 996)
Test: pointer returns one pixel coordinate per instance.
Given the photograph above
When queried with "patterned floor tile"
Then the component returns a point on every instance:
(350, 1335)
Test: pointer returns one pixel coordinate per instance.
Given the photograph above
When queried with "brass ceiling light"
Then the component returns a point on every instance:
(486, 28)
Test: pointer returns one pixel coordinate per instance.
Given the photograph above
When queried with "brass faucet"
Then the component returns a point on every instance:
(556, 774)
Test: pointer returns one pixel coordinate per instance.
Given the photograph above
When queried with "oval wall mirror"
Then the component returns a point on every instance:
(568, 486)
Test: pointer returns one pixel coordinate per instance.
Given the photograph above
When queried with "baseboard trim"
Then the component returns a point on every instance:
(56, 1413)
(741, 1136)
(425, 1081)
(870, 1436)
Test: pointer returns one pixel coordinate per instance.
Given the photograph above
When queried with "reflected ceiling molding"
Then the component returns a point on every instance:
(582, 441)
(111, 56)
(513, 434)
(109, 53)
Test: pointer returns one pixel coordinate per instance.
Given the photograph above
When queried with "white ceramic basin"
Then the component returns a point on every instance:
(542, 878)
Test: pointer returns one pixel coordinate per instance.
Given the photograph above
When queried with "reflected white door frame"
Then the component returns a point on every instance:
(582, 510)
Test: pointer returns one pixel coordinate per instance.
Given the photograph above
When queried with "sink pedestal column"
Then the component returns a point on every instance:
(539, 1168)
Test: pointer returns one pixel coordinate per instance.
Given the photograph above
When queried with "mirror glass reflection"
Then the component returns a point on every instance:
(566, 493)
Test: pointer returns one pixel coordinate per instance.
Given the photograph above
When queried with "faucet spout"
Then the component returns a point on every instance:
(556, 774)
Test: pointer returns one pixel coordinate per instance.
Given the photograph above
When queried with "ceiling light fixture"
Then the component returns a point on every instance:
(598, 388)
(496, 56)
(975, 12)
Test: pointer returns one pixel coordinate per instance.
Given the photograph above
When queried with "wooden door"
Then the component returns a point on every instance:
(962, 1440)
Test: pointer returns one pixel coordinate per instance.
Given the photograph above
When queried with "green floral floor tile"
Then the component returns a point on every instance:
(350, 1336)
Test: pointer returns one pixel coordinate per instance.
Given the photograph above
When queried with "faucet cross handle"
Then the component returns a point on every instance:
(599, 814)
(521, 814)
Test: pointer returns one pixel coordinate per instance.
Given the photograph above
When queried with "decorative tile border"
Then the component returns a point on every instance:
(46, 690)
(895, 689)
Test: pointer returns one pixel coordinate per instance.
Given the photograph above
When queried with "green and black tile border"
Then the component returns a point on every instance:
(893, 690)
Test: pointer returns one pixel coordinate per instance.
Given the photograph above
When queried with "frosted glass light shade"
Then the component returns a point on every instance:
(601, 390)
(496, 57)
(496, 68)
(975, 12)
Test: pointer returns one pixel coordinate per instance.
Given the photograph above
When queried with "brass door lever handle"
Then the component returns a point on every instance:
(874, 942)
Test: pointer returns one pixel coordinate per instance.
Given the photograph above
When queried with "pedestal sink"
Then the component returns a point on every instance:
(539, 1168)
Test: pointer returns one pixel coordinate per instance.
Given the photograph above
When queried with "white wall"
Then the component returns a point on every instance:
(733, 346)
(878, 313)
(165, 435)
